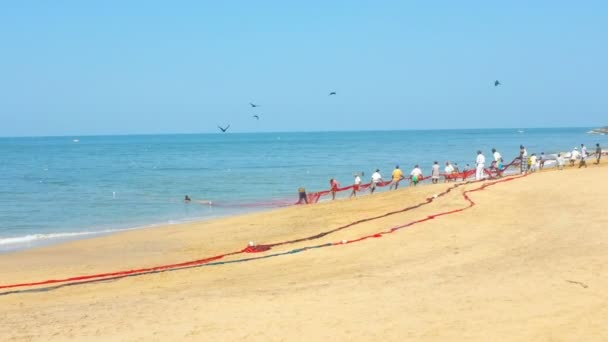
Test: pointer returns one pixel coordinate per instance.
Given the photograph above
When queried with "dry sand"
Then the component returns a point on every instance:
(528, 263)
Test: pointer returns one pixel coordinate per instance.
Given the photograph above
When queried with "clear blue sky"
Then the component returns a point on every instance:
(122, 67)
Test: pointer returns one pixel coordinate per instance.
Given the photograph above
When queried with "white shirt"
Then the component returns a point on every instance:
(533, 160)
(357, 180)
(416, 172)
(584, 152)
(376, 177)
(574, 155)
(497, 156)
(449, 169)
(560, 160)
(480, 159)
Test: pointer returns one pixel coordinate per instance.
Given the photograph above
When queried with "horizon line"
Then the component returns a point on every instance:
(286, 132)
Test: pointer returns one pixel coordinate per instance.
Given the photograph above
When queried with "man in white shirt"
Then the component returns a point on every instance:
(480, 162)
(584, 156)
(356, 185)
(376, 178)
(523, 157)
(497, 156)
(416, 175)
(449, 169)
(584, 150)
(574, 156)
(435, 173)
(533, 160)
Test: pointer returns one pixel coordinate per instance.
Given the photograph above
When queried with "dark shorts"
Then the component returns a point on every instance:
(302, 195)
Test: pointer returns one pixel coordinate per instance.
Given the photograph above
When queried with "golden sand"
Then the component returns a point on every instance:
(528, 263)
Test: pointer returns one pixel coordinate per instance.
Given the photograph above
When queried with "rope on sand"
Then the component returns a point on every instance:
(214, 260)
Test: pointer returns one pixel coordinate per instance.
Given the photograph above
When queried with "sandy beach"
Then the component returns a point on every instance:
(527, 263)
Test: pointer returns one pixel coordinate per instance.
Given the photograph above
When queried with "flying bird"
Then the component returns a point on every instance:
(332, 93)
(253, 105)
(223, 129)
(496, 83)
(257, 117)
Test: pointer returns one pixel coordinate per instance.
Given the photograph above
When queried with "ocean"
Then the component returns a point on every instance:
(58, 188)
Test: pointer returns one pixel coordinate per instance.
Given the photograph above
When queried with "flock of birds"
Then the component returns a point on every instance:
(332, 93)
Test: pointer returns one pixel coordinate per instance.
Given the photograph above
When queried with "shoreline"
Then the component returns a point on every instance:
(190, 224)
(52, 203)
(57, 238)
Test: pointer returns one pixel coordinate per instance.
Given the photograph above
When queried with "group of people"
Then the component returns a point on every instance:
(583, 155)
(533, 163)
(452, 172)
(416, 175)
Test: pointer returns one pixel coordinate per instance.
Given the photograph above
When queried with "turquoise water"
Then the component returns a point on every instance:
(53, 188)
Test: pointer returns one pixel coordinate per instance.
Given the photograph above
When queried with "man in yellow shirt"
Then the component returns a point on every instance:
(397, 177)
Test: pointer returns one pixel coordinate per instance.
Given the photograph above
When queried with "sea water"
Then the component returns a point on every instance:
(57, 188)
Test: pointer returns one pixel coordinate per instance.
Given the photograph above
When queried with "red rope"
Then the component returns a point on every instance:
(314, 197)
(434, 216)
(262, 248)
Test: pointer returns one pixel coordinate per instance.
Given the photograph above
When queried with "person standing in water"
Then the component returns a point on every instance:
(598, 153)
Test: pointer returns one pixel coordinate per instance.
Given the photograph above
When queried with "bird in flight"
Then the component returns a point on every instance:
(257, 117)
(223, 129)
(496, 83)
(253, 105)
(332, 93)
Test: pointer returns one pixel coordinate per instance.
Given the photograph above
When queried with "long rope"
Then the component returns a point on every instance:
(214, 260)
